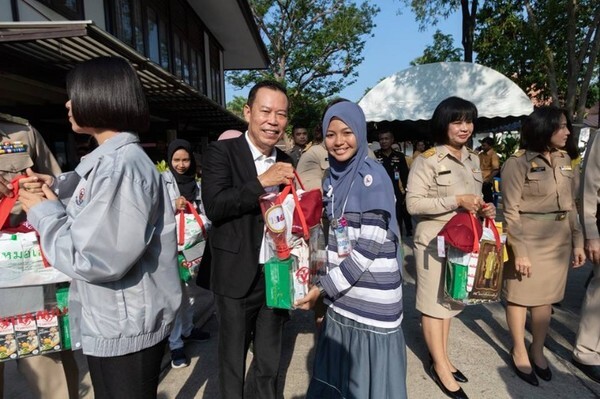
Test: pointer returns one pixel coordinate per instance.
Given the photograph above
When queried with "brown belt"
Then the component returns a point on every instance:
(546, 216)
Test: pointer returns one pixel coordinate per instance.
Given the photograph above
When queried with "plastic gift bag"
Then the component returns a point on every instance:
(21, 260)
(192, 230)
(474, 260)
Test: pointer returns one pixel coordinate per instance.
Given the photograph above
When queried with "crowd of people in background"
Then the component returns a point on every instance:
(110, 225)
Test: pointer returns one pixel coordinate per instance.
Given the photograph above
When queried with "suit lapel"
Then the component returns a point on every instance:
(242, 151)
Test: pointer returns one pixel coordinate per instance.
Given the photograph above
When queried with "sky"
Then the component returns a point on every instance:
(396, 42)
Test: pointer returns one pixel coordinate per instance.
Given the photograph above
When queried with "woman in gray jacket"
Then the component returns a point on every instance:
(115, 236)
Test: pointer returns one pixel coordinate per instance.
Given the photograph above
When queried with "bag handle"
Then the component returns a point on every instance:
(7, 203)
(300, 212)
(298, 180)
(491, 224)
(193, 211)
(474, 228)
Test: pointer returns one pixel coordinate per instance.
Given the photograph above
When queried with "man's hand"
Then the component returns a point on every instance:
(279, 173)
(308, 302)
(578, 257)
(592, 249)
(29, 199)
(5, 188)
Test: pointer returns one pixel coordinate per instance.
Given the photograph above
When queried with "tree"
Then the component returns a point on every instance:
(314, 47)
(429, 11)
(550, 47)
(442, 50)
(236, 106)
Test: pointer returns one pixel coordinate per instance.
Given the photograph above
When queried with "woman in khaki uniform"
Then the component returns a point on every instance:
(442, 180)
(543, 230)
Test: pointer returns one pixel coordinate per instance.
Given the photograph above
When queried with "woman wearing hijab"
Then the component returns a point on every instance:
(361, 351)
(182, 188)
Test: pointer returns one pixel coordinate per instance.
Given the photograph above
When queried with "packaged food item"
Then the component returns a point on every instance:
(62, 303)
(48, 330)
(26, 334)
(278, 283)
(8, 343)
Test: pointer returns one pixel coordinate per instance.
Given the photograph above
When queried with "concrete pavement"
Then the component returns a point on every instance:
(479, 346)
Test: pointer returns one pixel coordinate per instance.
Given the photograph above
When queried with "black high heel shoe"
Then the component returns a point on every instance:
(528, 378)
(544, 374)
(458, 394)
(458, 376)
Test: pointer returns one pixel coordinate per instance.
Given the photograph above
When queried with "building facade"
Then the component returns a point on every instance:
(180, 48)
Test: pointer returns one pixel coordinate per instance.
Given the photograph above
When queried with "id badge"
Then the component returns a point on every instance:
(341, 237)
(397, 175)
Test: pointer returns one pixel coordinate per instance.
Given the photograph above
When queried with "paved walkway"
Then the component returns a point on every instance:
(479, 346)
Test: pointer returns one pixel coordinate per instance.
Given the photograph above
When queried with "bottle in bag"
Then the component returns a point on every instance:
(275, 223)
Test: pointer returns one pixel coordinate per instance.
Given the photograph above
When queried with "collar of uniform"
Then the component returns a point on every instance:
(109, 146)
(442, 152)
(256, 154)
(530, 155)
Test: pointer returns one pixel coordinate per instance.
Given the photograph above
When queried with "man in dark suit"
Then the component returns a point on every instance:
(236, 173)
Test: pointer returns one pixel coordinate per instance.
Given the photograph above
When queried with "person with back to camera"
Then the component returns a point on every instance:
(543, 232)
(361, 351)
(116, 236)
(443, 180)
(182, 187)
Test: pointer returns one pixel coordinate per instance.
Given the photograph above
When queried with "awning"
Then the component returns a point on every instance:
(406, 100)
(46, 51)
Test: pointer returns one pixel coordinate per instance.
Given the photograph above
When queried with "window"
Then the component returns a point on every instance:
(215, 72)
(169, 33)
(69, 8)
(153, 42)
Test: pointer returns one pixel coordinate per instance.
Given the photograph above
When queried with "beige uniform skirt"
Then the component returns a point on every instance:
(549, 246)
(430, 270)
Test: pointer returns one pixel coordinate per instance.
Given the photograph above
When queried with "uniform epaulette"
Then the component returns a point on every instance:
(13, 119)
(519, 153)
(430, 152)
(562, 151)
(472, 151)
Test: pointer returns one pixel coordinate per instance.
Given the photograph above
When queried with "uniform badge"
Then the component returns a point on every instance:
(80, 196)
(368, 180)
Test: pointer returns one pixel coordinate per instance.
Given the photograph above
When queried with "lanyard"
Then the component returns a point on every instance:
(331, 194)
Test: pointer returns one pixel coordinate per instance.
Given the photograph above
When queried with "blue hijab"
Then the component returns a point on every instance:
(360, 184)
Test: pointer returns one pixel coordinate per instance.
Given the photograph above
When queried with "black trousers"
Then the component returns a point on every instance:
(402, 214)
(130, 376)
(238, 320)
(488, 192)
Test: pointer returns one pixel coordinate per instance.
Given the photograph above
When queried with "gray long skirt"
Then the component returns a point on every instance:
(358, 361)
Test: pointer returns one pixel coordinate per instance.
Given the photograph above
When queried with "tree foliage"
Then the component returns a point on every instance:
(428, 13)
(314, 46)
(442, 50)
(549, 47)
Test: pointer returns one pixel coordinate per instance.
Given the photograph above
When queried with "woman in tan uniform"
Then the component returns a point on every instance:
(443, 180)
(543, 230)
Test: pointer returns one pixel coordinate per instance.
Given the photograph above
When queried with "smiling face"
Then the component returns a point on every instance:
(181, 161)
(340, 141)
(267, 118)
(459, 133)
(559, 137)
